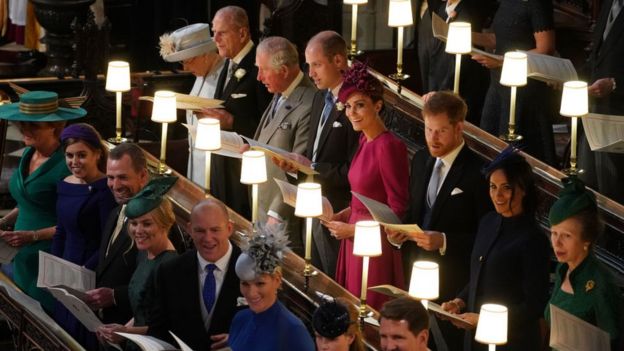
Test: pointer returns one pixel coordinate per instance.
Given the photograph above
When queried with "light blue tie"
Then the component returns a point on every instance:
(209, 291)
(434, 182)
(327, 109)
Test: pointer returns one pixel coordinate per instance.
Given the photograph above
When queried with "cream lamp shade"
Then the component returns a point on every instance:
(514, 73)
(355, 2)
(424, 283)
(118, 76)
(208, 137)
(367, 241)
(574, 100)
(459, 39)
(400, 13)
(164, 109)
(253, 170)
(492, 325)
(309, 200)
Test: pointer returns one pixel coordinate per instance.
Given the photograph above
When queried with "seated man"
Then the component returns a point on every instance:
(404, 325)
(197, 292)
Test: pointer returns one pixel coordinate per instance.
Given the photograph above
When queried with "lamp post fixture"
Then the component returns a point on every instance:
(164, 112)
(118, 81)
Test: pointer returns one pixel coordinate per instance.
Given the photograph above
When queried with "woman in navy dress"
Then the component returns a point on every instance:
(509, 262)
(83, 205)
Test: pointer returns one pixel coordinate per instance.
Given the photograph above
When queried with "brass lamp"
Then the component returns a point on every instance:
(514, 74)
(208, 139)
(354, 12)
(425, 281)
(164, 111)
(574, 104)
(366, 244)
(492, 325)
(458, 42)
(118, 81)
(400, 16)
(253, 172)
(309, 204)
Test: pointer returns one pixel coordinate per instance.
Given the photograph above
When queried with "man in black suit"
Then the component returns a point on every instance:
(448, 197)
(126, 170)
(182, 305)
(604, 170)
(331, 139)
(245, 100)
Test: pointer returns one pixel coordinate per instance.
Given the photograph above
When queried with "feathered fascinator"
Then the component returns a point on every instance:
(357, 79)
(507, 156)
(186, 42)
(331, 319)
(262, 253)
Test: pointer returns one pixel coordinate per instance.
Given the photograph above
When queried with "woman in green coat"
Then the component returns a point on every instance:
(33, 184)
(583, 286)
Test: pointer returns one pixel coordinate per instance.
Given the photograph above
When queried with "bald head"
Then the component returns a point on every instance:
(210, 228)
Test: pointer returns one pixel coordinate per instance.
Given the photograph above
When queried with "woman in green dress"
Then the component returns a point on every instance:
(150, 216)
(33, 184)
(583, 286)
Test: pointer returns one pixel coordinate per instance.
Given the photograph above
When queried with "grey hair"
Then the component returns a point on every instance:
(282, 51)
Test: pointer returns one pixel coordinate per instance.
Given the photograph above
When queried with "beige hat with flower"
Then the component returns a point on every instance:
(186, 42)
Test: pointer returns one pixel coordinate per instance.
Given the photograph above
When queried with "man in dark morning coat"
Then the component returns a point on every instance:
(126, 170)
(332, 141)
(604, 170)
(245, 100)
(180, 305)
(284, 125)
(459, 201)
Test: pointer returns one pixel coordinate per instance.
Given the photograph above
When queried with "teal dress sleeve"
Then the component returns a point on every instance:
(35, 195)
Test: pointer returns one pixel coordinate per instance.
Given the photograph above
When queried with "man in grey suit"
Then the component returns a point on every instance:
(284, 124)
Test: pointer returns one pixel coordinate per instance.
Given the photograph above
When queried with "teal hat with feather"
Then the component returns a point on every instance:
(573, 198)
(149, 197)
(39, 106)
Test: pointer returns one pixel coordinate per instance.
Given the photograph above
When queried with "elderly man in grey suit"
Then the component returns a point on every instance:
(284, 124)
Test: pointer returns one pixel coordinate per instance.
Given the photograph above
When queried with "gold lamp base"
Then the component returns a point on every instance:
(511, 137)
(573, 171)
(308, 272)
(117, 140)
(399, 76)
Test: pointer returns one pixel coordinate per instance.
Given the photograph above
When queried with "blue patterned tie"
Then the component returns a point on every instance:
(329, 105)
(210, 287)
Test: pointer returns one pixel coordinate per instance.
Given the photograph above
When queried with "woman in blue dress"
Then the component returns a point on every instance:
(83, 205)
(266, 325)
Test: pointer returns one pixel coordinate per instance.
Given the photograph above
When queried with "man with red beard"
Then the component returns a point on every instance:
(448, 197)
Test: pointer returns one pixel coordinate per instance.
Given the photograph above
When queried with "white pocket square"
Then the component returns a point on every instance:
(238, 96)
(336, 124)
(456, 191)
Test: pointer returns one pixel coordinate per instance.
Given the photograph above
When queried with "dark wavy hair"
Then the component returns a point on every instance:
(519, 173)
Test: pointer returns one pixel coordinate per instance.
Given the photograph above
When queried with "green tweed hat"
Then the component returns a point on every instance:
(39, 106)
(149, 197)
(573, 198)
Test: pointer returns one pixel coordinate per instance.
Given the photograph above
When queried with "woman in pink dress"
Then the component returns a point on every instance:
(379, 170)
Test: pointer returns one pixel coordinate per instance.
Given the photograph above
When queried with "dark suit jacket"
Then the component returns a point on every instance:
(115, 269)
(509, 266)
(246, 99)
(336, 147)
(178, 302)
(606, 61)
(456, 215)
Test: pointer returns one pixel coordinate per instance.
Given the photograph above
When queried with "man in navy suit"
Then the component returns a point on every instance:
(331, 142)
(448, 197)
(182, 303)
